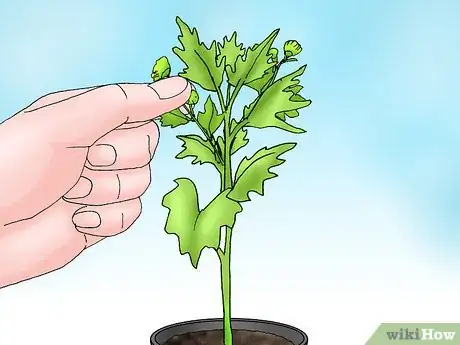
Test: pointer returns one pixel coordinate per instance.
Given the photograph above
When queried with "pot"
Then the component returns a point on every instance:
(245, 332)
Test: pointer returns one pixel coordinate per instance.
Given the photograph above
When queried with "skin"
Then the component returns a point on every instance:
(74, 166)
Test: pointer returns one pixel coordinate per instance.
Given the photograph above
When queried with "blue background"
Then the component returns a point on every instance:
(368, 204)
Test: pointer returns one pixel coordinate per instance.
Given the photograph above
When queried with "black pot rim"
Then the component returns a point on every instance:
(302, 334)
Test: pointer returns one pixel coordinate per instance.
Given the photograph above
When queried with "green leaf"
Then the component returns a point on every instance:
(253, 172)
(295, 89)
(199, 149)
(290, 113)
(210, 119)
(280, 97)
(258, 84)
(201, 61)
(197, 229)
(254, 63)
(229, 51)
(220, 143)
(240, 140)
(173, 119)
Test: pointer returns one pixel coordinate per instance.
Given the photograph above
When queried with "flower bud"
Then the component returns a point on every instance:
(194, 98)
(273, 52)
(292, 48)
(161, 69)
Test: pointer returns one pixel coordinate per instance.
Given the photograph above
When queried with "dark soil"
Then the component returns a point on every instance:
(215, 337)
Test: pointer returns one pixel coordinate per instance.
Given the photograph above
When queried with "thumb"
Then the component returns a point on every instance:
(82, 119)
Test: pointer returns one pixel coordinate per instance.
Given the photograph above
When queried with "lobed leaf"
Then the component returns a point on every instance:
(281, 97)
(210, 119)
(254, 63)
(197, 229)
(240, 140)
(199, 149)
(174, 119)
(202, 66)
(229, 51)
(221, 143)
(258, 84)
(289, 113)
(253, 172)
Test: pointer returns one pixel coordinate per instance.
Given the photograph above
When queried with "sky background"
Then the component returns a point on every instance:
(361, 227)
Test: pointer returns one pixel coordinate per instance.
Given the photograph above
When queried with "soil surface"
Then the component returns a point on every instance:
(215, 337)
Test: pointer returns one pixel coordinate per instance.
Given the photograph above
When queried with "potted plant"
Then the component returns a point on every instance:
(223, 69)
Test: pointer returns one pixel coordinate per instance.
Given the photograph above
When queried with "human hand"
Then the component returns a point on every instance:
(73, 167)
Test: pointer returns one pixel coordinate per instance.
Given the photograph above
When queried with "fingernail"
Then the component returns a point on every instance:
(170, 87)
(102, 155)
(86, 219)
(81, 189)
(184, 110)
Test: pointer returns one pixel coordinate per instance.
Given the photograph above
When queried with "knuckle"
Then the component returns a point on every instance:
(135, 208)
(114, 91)
(152, 129)
(146, 179)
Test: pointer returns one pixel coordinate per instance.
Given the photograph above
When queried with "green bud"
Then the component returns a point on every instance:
(273, 52)
(292, 48)
(161, 69)
(194, 98)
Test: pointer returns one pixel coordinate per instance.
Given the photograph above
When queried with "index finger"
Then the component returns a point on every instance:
(84, 118)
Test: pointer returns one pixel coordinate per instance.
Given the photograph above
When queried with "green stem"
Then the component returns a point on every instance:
(235, 93)
(221, 99)
(225, 276)
(210, 138)
(226, 183)
(224, 257)
(229, 94)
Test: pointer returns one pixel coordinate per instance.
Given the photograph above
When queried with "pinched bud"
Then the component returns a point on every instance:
(194, 98)
(161, 69)
(292, 48)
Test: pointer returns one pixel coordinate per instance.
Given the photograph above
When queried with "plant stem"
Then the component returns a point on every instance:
(235, 93)
(221, 99)
(224, 257)
(225, 276)
(229, 94)
(209, 137)
(226, 183)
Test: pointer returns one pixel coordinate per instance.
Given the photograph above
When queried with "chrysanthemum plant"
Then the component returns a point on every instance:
(223, 69)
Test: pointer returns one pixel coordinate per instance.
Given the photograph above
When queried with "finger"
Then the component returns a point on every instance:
(83, 119)
(107, 220)
(133, 125)
(106, 187)
(41, 244)
(58, 96)
(124, 148)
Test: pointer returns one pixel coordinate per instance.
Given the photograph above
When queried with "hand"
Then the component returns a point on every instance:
(73, 166)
